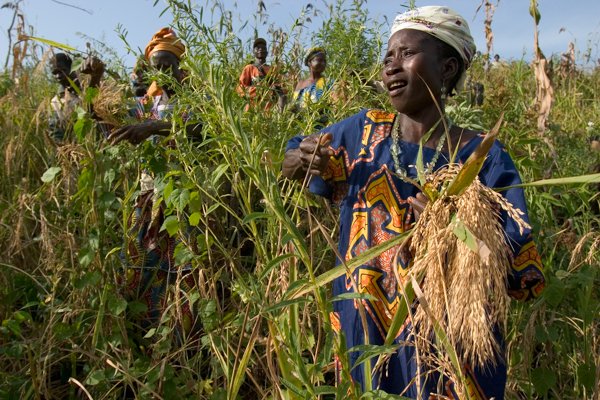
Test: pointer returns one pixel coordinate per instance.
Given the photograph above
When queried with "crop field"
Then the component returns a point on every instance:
(260, 249)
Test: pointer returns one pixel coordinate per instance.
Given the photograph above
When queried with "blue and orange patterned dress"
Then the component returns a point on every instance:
(373, 209)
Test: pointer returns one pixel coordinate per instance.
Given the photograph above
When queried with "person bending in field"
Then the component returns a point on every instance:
(148, 252)
(64, 104)
(365, 164)
(257, 83)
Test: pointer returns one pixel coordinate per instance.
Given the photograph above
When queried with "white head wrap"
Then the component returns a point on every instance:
(444, 24)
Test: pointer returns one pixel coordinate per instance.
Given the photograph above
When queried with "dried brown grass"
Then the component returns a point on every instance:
(580, 256)
(465, 290)
(110, 102)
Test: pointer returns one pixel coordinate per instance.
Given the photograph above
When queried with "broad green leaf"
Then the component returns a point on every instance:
(195, 204)
(85, 181)
(90, 94)
(116, 305)
(168, 189)
(13, 326)
(22, 316)
(554, 292)
(182, 254)
(543, 380)
(586, 376)
(95, 377)
(109, 176)
(50, 174)
(82, 127)
(107, 199)
(184, 198)
(90, 278)
(86, 257)
(194, 219)
(150, 333)
(473, 165)
(173, 197)
(137, 307)
(171, 224)
(63, 331)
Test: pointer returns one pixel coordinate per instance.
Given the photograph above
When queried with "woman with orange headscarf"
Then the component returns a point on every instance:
(163, 53)
(148, 252)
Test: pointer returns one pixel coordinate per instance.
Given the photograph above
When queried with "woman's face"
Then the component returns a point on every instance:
(61, 71)
(318, 63)
(166, 62)
(413, 67)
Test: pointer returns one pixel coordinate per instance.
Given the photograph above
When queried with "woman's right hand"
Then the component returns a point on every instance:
(311, 156)
(315, 153)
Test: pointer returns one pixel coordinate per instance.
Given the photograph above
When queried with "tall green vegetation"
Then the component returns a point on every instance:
(264, 248)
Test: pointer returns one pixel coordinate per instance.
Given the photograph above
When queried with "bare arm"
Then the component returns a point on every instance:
(94, 67)
(137, 133)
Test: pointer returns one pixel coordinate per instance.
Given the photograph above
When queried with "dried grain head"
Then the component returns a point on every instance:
(464, 287)
(580, 256)
(111, 102)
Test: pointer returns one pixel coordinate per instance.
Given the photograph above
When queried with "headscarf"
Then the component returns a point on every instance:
(444, 24)
(166, 40)
(313, 51)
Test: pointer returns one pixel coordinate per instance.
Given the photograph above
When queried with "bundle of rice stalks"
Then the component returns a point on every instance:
(111, 103)
(461, 250)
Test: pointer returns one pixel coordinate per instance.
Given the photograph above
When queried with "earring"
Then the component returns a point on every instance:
(443, 91)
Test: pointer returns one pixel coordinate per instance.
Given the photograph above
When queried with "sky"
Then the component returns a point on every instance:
(579, 22)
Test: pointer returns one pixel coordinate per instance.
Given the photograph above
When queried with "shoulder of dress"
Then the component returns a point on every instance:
(378, 116)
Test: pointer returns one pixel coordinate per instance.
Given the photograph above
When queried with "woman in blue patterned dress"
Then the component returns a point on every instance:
(359, 164)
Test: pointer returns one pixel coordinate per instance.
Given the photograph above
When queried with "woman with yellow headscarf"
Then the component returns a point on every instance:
(310, 90)
(366, 165)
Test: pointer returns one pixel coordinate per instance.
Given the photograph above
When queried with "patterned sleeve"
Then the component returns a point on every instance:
(527, 279)
(333, 184)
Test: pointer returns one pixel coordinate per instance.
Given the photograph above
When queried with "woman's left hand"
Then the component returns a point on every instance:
(418, 204)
